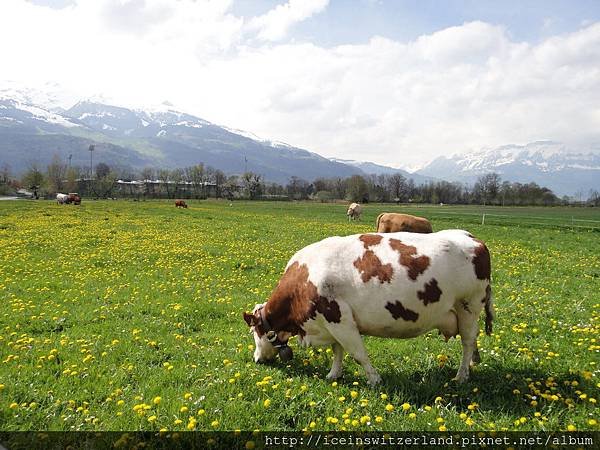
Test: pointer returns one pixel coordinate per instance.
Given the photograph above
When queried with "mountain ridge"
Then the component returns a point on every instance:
(547, 163)
(163, 137)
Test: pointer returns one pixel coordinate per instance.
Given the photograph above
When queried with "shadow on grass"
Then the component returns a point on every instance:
(493, 388)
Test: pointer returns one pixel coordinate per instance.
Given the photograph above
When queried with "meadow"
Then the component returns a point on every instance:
(121, 315)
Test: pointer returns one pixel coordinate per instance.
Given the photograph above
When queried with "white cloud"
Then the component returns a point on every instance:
(275, 24)
(399, 103)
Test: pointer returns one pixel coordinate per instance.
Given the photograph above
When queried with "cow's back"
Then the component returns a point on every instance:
(395, 283)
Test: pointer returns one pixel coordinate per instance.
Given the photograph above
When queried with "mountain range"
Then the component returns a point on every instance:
(139, 138)
(546, 163)
(33, 128)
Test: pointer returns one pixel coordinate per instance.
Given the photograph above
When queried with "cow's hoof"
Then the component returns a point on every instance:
(374, 380)
(333, 375)
(460, 378)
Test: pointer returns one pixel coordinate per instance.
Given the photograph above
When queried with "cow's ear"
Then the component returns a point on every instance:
(250, 319)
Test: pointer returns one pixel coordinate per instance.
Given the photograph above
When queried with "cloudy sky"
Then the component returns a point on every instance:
(391, 81)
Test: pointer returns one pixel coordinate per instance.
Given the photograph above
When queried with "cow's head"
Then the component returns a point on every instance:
(269, 343)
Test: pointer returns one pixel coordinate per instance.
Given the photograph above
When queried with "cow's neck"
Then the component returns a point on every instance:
(286, 315)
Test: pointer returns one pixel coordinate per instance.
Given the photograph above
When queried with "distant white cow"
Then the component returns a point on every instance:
(398, 285)
(61, 199)
(354, 211)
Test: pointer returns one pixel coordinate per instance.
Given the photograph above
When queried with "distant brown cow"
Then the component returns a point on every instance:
(180, 204)
(393, 222)
(74, 198)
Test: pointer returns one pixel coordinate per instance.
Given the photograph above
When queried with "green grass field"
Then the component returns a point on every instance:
(128, 316)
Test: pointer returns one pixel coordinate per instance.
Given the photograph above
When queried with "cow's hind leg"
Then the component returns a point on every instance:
(345, 332)
(468, 313)
(336, 367)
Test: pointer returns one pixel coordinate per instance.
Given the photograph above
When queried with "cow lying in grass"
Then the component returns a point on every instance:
(388, 285)
(394, 222)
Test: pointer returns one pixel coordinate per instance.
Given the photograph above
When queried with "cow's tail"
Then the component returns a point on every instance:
(489, 310)
(377, 222)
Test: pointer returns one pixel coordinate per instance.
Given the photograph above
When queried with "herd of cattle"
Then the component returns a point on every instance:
(401, 281)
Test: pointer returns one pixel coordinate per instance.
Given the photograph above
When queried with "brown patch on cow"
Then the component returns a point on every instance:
(481, 261)
(292, 301)
(370, 240)
(398, 310)
(415, 265)
(431, 293)
(369, 266)
(328, 308)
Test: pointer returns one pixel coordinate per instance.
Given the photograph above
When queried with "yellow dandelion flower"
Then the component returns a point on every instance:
(389, 407)
(156, 400)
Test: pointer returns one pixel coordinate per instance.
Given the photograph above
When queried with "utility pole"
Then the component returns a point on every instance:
(70, 157)
(245, 164)
(91, 149)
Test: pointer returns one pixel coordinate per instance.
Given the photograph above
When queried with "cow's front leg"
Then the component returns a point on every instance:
(336, 367)
(346, 334)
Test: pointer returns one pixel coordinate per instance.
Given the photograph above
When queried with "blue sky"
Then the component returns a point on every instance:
(356, 21)
(394, 82)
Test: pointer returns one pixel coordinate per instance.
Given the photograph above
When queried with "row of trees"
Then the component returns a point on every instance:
(489, 189)
(200, 181)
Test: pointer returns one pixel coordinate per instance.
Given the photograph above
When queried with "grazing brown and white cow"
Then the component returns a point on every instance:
(61, 199)
(388, 285)
(393, 222)
(180, 204)
(354, 211)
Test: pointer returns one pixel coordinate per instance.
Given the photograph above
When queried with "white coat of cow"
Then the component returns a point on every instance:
(61, 199)
(354, 211)
(389, 285)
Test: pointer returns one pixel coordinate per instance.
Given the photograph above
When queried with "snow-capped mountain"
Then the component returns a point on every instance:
(550, 164)
(51, 96)
(158, 137)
